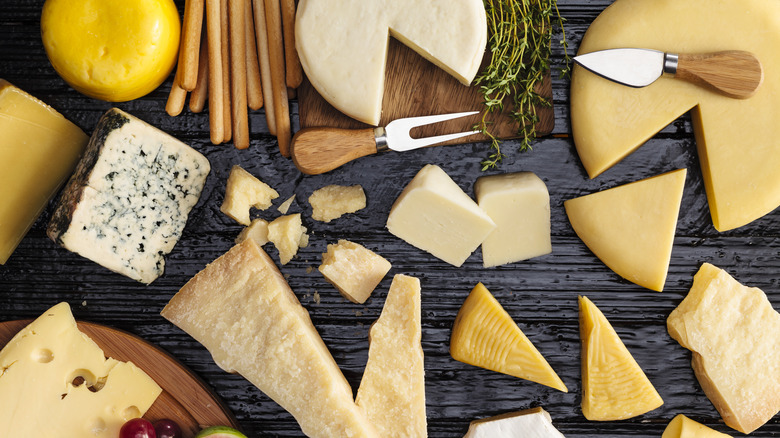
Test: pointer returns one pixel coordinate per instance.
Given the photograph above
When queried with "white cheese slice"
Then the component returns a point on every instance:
(343, 44)
(530, 423)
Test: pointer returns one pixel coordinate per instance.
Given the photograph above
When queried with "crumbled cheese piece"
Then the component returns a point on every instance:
(287, 234)
(257, 231)
(285, 207)
(353, 269)
(332, 202)
(244, 191)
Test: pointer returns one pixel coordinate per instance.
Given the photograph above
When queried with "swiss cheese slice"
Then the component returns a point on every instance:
(631, 227)
(343, 45)
(683, 427)
(614, 387)
(392, 392)
(733, 332)
(736, 139)
(244, 312)
(484, 335)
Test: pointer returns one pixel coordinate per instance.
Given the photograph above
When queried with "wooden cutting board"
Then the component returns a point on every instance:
(416, 87)
(184, 399)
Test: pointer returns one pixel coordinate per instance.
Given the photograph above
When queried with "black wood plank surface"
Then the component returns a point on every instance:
(540, 294)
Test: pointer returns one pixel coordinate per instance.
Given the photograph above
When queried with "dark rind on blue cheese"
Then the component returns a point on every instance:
(127, 203)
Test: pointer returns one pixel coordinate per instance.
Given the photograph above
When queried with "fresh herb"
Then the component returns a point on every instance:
(520, 35)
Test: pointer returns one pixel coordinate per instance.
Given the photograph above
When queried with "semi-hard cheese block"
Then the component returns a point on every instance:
(244, 191)
(38, 150)
(530, 423)
(353, 269)
(435, 215)
(128, 202)
(520, 206)
(332, 202)
(392, 391)
(631, 227)
(287, 235)
(683, 427)
(56, 382)
(244, 312)
(343, 45)
(614, 387)
(734, 334)
(484, 335)
(609, 120)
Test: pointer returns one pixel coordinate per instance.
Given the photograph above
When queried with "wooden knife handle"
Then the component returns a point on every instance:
(734, 73)
(319, 150)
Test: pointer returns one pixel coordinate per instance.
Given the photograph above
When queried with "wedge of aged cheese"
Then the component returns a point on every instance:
(614, 387)
(244, 312)
(683, 427)
(530, 423)
(332, 202)
(42, 396)
(244, 191)
(128, 202)
(257, 231)
(38, 150)
(484, 335)
(287, 235)
(343, 45)
(520, 206)
(353, 269)
(392, 391)
(609, 120)
(734, 334)
(631, 227)
(435, 215)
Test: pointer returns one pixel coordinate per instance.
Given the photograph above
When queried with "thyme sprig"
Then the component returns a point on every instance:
(520, 35)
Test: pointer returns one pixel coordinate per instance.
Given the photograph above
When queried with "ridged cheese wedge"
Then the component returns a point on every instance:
(631, 227)
(484, 335)
(683, 427)
(614, 387)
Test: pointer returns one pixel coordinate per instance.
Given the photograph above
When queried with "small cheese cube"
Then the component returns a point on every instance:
(287, 234)
(530, 423)
(520, 206)
(435, 215)
(244, 191)
(257, 231)
(332, 202)
(353, 269)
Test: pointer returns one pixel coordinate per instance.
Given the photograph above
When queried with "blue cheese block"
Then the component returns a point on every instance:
(128, 202)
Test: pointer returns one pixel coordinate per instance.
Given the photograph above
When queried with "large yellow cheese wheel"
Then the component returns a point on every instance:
(737, 140)
(114, 50)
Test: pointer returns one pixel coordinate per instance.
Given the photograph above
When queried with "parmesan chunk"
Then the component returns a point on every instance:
(285, 206)
(257, 231)
(243, 192)
(287, 234)
(353, 269)
(332, 202)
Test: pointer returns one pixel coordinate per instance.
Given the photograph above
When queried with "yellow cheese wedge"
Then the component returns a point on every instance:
(392, 391)
(111, 50)
(244, 312)
(736, 139)
(38, 151)
(484, 335)
(683, 427)
(631, 227)
(41, 395)
(733, 332)
(614, 387)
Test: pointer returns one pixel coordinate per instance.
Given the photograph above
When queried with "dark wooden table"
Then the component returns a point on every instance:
(541, 294)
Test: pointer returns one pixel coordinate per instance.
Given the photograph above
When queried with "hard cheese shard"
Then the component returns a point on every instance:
(244, 312)
(609, 121)
(353, 269)
(614, 387)
(392, 391)
(128, 202)
(343, 45)
(683, 427)
(631, 227)
(530, 423)
(732, 331)
(38, 397)
(484, 335)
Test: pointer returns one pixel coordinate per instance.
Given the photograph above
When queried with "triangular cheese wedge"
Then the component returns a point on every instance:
(484, 335)
(614, 387)
(392, 392)
(631, 227)
(736, 139)
(683, 427)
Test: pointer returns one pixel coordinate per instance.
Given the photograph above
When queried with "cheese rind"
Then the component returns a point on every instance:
(435, 215)
(392, 391)
(244, 191)
(244, 312)
(353, 269)
(332, 202)
(732, 331)
(530, 423)
(683, 427)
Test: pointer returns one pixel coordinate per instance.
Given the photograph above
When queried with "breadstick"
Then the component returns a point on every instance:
(223, 9)
(273, 19)
(238, 73)
(176, 98)
(265, 64)
(199, 94)
(254, 91)
(292, 63)
(190, 37)
(216, 96)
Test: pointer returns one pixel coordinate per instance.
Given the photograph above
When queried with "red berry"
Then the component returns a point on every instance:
(137, 428)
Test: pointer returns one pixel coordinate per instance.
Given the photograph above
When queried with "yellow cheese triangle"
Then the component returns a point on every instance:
(614, 387)
(736, 139)
(484, 335)
(631, 227)
(683, 427)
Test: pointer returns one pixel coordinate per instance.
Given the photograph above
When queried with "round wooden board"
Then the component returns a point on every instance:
(184, 399)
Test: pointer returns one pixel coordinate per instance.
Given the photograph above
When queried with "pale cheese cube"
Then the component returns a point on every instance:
(332, 202)
(244, 191)
(353, 269)
(287, 235)
(257, 231)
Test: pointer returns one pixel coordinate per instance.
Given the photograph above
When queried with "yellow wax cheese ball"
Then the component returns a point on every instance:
(114, 50)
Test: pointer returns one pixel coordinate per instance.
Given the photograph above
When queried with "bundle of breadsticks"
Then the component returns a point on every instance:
(245, 57)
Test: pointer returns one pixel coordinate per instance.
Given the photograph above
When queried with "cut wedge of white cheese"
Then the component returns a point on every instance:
(530, 423)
